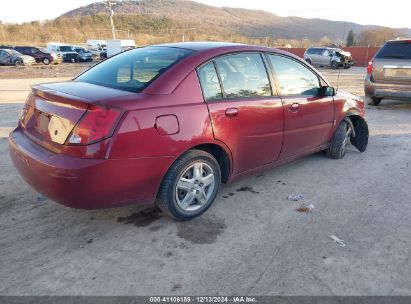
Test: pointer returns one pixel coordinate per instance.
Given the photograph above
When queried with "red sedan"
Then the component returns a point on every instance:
(169, 123)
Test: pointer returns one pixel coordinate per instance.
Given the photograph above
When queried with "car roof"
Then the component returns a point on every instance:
(203, 52)
(400, 40)
(199, 46)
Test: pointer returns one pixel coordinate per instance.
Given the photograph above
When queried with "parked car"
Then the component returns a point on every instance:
(12, 57)
(84, 55)
(40, 54)
(103, 55)
(66, 51)
(389, 73)
(96, 46)
(328, 57)
(169, 123)
(9, 47)
(117, 46)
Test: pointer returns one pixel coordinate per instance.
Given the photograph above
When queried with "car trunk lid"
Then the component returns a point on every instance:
(392, 64)
(52, 111)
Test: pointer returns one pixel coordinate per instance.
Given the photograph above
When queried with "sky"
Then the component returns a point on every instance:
(396, 14)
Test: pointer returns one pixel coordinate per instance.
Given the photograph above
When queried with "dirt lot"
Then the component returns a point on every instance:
(249, 242)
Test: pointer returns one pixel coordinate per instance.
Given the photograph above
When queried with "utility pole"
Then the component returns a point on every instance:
(113, 31)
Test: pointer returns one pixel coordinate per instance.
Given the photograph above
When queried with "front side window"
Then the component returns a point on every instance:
(134, 70)
(294, 78)
(243, 75)
(209, 82)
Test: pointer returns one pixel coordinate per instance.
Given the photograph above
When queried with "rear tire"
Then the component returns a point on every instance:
(373, 101)
(190, 185)
(335, 65)
(308, 61)
(339, 142)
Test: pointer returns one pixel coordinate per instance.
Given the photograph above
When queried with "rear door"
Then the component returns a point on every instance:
(325, 57)
(308, 116)
(3, 57)
(392, 64)
(317, 56)
(245, 114)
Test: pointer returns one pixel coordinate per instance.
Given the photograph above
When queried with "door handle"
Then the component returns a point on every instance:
(294, 107)
(231, 112)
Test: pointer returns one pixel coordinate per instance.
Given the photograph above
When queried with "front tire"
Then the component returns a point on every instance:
(46, 61)
(335, 65)
(190, 185)
(339, 142)
(18, 63)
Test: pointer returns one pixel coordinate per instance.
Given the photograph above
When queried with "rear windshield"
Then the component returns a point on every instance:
(134, 70)
(395, 50)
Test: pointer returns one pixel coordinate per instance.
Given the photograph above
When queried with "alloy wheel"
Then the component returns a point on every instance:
(195, 187)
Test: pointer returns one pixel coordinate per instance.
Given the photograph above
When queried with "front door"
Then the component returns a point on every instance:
(244, 113)
(308, 116)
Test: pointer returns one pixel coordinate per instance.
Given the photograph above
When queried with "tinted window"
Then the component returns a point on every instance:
(400, 50)
(243, 75)
(66, 49)
(134, 70)
(209, 82)
(294, 78)
(319, 51)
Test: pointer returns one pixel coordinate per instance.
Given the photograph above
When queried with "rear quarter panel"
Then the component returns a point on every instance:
(138, 136)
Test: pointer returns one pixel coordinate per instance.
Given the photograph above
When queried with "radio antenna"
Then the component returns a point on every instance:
(339, 71)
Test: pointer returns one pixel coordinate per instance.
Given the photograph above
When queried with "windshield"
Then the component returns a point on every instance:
(43, 50)
(81, 50)
(15, 53)
(134, 70)
(66, 49)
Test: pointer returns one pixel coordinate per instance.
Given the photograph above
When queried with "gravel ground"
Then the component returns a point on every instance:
(248, 243)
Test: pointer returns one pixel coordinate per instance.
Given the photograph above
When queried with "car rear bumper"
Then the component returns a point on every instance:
(86, 183)
(386, 90)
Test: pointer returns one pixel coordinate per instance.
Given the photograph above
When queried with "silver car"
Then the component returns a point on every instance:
(389, 73)
(12, 57)
(328, 57)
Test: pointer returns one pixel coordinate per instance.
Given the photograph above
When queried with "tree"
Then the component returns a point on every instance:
(325, 41)
(377, 37)
(350, 39)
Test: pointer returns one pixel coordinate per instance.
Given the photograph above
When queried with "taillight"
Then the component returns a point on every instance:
(98, 123)
(369, 67)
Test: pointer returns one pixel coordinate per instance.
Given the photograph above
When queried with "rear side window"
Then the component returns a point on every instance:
(294, 78)
(134, 70)
(210, 83)
(395, 50)
(243, 75)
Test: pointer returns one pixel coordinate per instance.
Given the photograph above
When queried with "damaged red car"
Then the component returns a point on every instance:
(168, 124)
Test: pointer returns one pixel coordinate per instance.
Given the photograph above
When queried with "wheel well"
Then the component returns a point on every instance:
(355, 118)
(220, 155)
(360, 140)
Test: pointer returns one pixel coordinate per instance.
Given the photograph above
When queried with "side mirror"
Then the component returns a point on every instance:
(328, 91)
